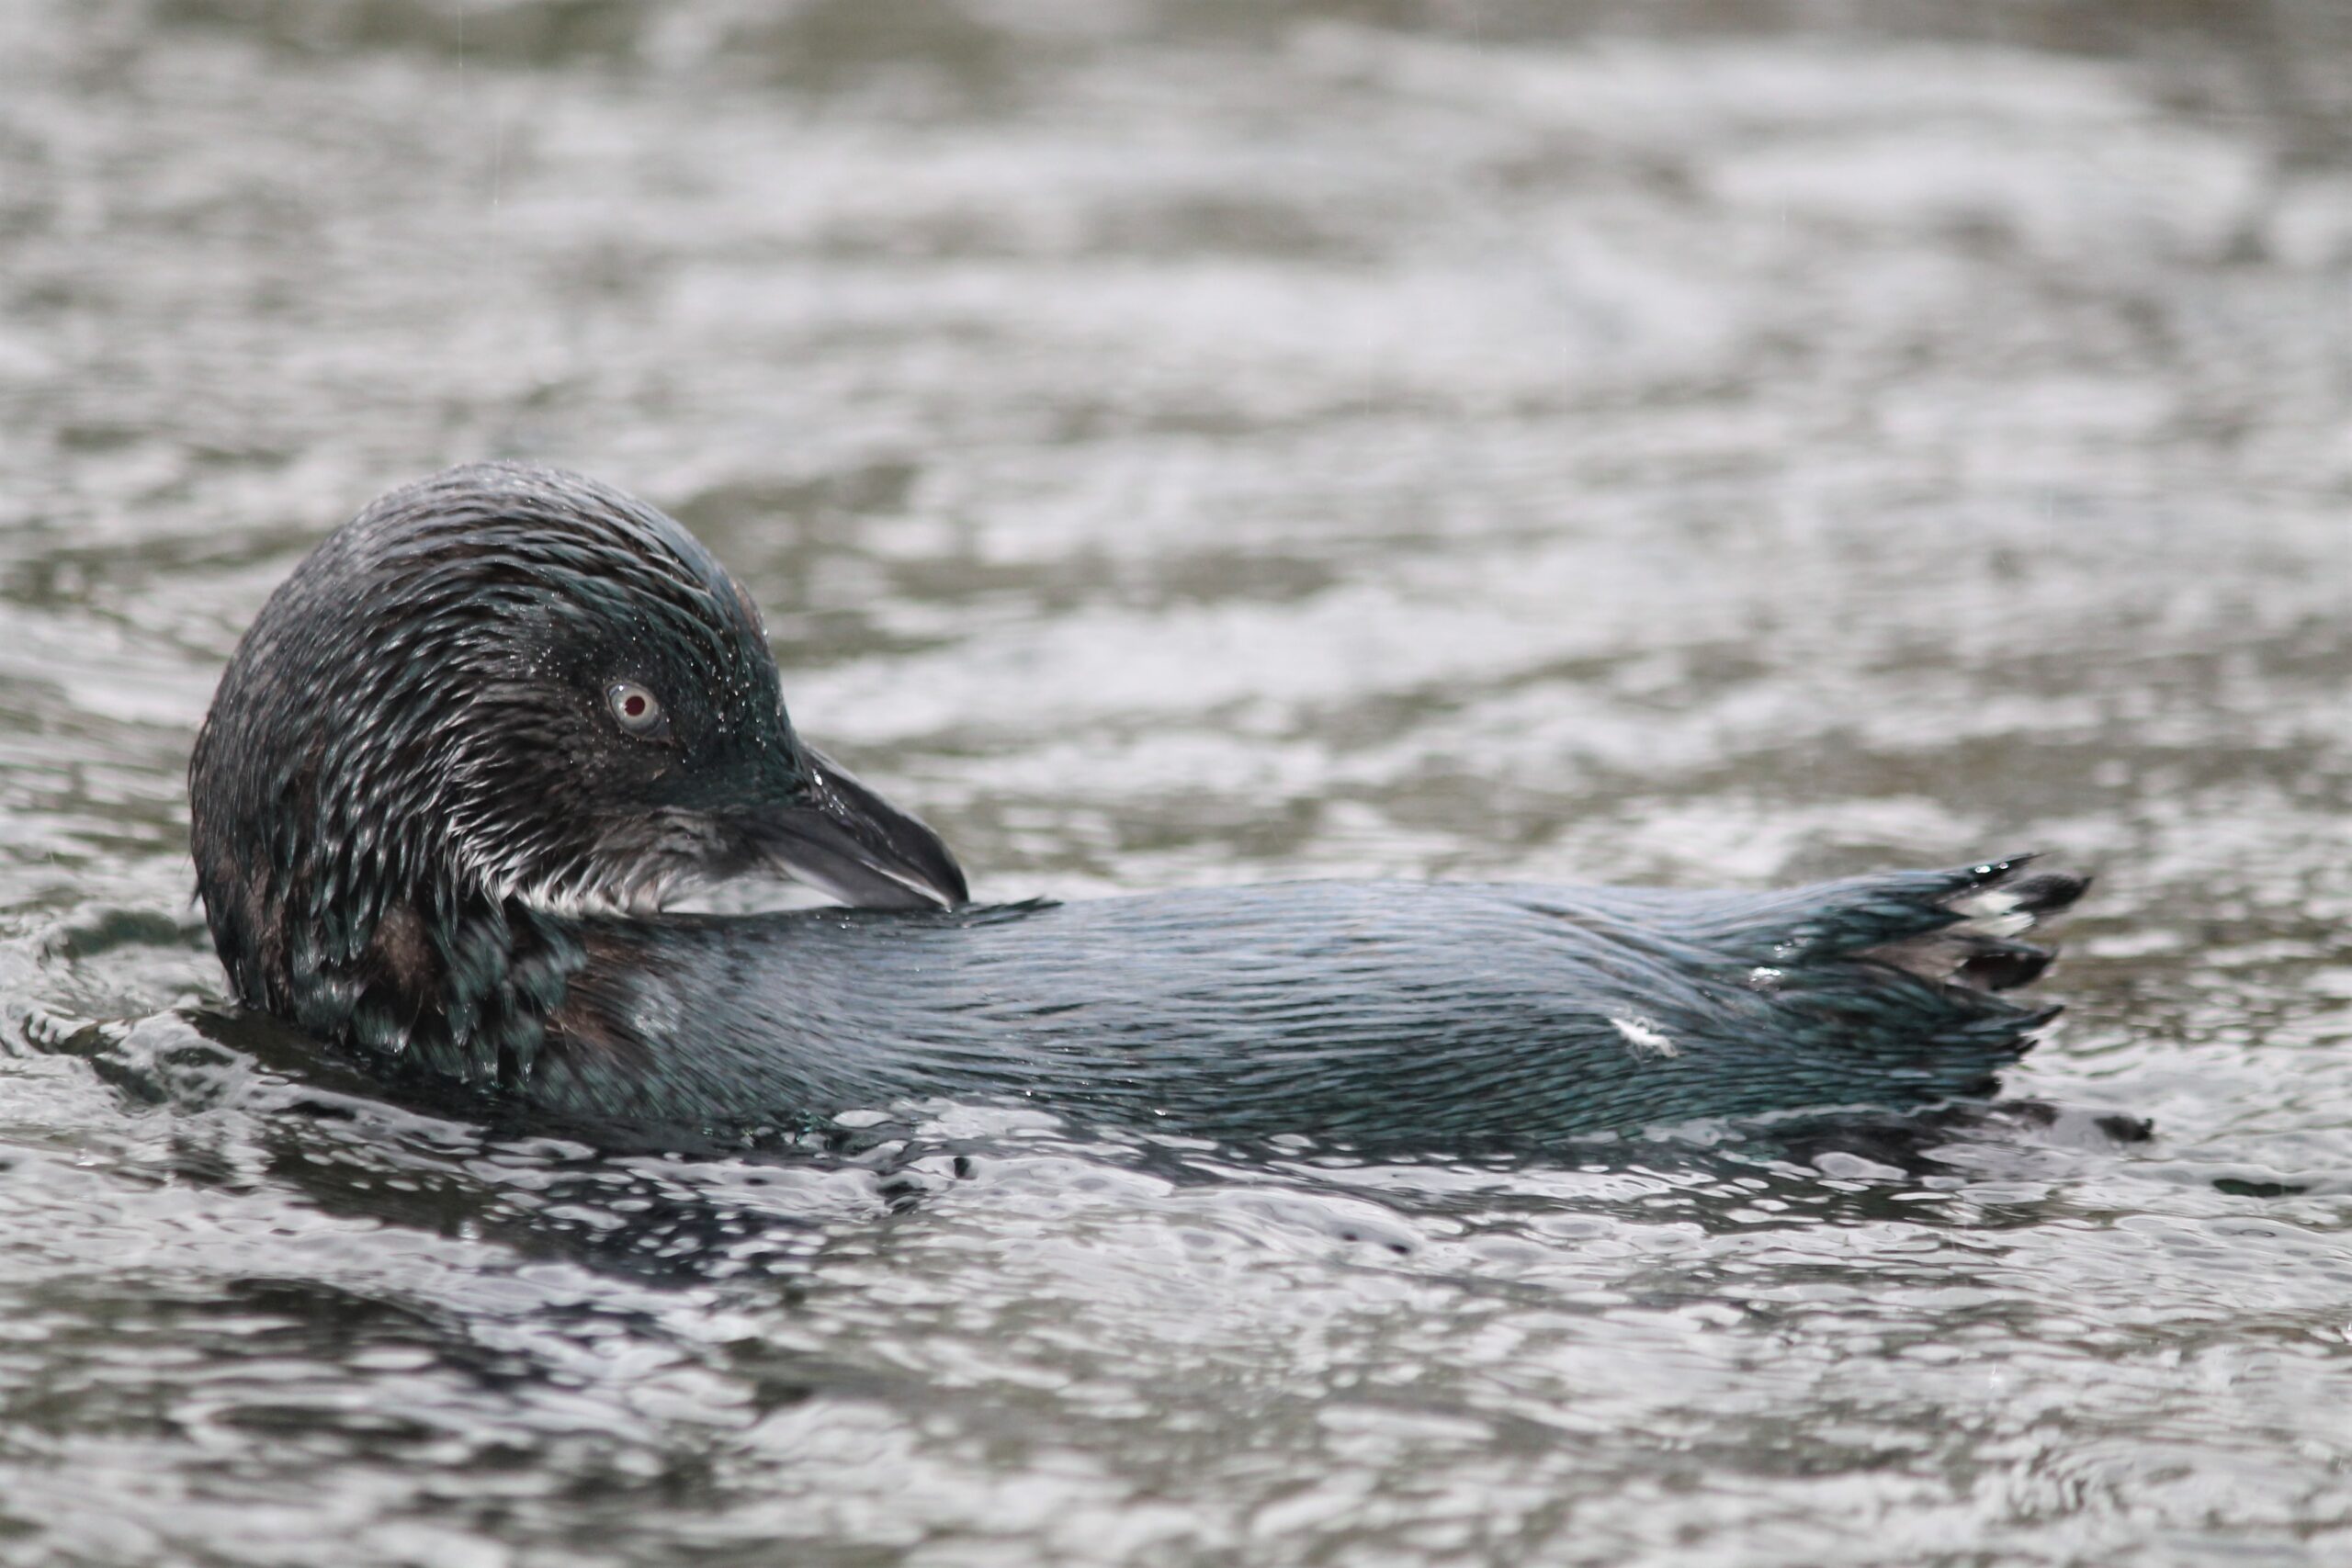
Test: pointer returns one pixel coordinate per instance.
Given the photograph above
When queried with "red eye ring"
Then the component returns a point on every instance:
(635, 709)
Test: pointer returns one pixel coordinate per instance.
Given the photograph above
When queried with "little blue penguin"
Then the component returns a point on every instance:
(483, 734)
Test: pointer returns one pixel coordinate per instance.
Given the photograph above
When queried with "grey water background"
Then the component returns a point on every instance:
(1702, 443)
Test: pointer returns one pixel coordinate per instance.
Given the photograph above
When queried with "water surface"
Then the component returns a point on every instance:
(1703, 443)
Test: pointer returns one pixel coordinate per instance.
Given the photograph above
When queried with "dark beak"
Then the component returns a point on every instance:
(840, 836)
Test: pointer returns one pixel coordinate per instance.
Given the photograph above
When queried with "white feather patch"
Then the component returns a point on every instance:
(1992, 913)
(1646, 1038)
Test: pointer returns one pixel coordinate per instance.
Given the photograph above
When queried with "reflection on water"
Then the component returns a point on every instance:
(1702, 442)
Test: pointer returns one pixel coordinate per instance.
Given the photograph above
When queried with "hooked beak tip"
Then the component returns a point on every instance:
(844, 838)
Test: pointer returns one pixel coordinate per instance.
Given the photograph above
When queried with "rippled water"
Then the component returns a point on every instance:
(1198, 442)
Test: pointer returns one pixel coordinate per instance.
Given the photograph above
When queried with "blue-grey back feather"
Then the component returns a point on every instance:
(1443, 1014)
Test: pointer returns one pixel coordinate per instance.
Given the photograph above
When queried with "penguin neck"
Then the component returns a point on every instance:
(451, 975)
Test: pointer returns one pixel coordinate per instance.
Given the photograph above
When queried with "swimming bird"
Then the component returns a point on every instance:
(473, 745)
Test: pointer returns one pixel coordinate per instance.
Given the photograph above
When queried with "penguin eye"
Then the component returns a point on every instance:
(638, 710)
